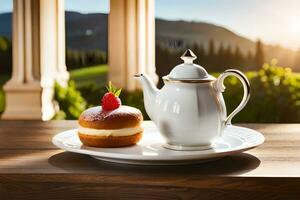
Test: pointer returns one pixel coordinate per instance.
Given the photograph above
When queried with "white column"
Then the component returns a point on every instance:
(150, 40)
(131, 41)
(117, 43)
(22, 91)
(38, 59)
(52, 52)
(28, 42)
(62, 73)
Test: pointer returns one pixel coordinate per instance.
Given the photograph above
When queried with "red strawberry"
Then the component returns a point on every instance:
(111, 100)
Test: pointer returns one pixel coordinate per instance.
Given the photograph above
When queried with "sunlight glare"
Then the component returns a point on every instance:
(294, 24)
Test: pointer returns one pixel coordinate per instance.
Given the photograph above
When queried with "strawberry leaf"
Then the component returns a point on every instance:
(118, 92)
(113, 89)
(109, 86)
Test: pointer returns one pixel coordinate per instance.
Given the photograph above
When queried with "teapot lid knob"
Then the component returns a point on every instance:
(188, 56)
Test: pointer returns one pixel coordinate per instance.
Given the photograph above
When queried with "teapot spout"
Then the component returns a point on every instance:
(150, 93)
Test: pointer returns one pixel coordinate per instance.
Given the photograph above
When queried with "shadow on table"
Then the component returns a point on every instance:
(231, 165)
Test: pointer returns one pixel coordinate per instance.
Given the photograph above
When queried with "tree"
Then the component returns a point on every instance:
(249, 61)
(228, 57)
(221, 59)
(259, 55)
(238, 59)
(211, 48)
(202, 57)
(79, 58)
(199, 52)
(165, 60)
(211, 60)
(195, 49)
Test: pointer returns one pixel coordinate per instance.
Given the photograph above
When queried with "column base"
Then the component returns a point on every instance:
(23, 101)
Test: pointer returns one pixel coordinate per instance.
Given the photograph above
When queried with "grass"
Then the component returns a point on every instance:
(90, 75)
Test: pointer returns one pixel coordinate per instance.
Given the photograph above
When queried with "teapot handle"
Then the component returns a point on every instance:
(219, 85)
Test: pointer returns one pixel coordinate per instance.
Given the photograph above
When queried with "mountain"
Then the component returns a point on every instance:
(86, 31)
(182, 34)
(90, 32)
(200, 33)
(83, 31)
(5, 24)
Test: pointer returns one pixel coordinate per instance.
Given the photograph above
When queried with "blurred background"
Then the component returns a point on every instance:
(259, 37)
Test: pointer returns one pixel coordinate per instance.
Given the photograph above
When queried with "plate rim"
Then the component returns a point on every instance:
(116, 156)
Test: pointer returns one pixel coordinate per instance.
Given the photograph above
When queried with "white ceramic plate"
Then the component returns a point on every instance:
(150, 150)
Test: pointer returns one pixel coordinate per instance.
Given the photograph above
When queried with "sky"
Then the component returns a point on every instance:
(272, 21)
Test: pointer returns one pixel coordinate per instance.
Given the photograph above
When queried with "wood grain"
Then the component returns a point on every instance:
(32, 168)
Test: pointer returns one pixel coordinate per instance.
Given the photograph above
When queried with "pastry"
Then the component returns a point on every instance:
(111, 124)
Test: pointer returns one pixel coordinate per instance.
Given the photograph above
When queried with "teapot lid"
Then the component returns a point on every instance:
(188, 71)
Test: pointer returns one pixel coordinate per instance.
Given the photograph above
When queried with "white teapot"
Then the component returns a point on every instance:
(189, 110)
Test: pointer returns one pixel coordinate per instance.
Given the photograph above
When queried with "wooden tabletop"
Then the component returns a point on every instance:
(31, 167)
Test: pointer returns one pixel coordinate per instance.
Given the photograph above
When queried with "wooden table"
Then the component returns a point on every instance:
(32, 168)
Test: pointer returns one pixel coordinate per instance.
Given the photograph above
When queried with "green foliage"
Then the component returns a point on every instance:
(275, 97)
(70, 101)
(2, 101)
(92, 93)
(4, 44)
(5, 56)
(88, 96)
(134, 99)
(4, 78)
